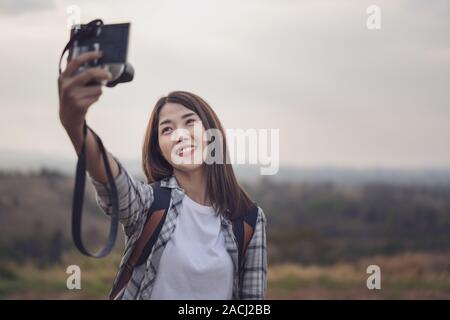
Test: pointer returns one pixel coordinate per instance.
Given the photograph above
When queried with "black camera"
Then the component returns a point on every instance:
(111, 39)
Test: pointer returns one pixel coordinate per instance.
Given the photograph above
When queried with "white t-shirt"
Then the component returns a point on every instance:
(195, 263)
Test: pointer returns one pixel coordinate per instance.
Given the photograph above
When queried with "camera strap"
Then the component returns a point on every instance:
(77, 204)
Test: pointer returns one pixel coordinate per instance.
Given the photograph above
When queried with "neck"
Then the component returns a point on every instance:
(194, 184)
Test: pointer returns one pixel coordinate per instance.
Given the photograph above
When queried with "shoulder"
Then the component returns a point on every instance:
(164, 183)
(254, 216)
(261, 217)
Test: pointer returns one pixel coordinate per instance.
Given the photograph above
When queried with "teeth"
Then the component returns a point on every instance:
(185, 149)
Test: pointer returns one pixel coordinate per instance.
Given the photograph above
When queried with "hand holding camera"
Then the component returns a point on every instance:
(97, 56)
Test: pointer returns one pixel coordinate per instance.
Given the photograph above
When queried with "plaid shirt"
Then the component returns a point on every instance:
(135, 199)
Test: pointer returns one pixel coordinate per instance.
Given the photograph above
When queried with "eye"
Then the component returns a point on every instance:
(165, 130)
(190, 121)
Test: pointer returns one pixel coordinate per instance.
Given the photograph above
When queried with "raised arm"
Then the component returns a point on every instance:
(75, 98)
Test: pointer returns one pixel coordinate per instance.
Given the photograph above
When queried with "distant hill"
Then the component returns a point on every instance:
(319, 222)
(35, 210)
(28, 162)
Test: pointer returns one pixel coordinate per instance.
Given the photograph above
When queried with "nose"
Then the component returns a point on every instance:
(181, 135)
(181, 138)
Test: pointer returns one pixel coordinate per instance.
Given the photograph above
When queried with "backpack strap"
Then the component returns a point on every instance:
(243, 228)
(155, 219)
(144, 244)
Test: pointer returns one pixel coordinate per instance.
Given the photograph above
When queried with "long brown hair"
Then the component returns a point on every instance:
(222, 187)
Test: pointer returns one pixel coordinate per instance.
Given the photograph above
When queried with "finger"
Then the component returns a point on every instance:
(73, 65)
(91, 95)
(86, 102)
(90, 74)
(88, 91)
(69, 56)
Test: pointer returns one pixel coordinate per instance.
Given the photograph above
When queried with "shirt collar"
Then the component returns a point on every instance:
(171, 182)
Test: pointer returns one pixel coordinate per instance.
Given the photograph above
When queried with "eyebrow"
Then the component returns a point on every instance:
(182, 117)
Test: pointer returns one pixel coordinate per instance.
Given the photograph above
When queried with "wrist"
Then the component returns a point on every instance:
(74, 129)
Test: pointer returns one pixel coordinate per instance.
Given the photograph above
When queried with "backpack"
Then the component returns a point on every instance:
(243, 228)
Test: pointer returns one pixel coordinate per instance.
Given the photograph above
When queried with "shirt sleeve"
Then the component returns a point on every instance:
(254, 278)
(135, 198)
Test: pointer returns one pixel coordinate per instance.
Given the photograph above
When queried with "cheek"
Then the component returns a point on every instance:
(204, 143)
(198, 138)
(165, 144)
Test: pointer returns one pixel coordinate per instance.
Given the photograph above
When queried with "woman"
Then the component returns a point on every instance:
(196, 256)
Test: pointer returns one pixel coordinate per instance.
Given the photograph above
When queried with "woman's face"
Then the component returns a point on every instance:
(180, 135)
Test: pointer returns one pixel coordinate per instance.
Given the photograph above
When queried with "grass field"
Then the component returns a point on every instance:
(404, 276)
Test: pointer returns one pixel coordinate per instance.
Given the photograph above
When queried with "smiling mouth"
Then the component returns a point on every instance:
(185, 151)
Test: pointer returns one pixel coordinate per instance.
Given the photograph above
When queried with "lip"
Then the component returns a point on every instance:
(185, 150)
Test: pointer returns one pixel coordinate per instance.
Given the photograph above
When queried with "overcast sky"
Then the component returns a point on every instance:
(339, 93)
